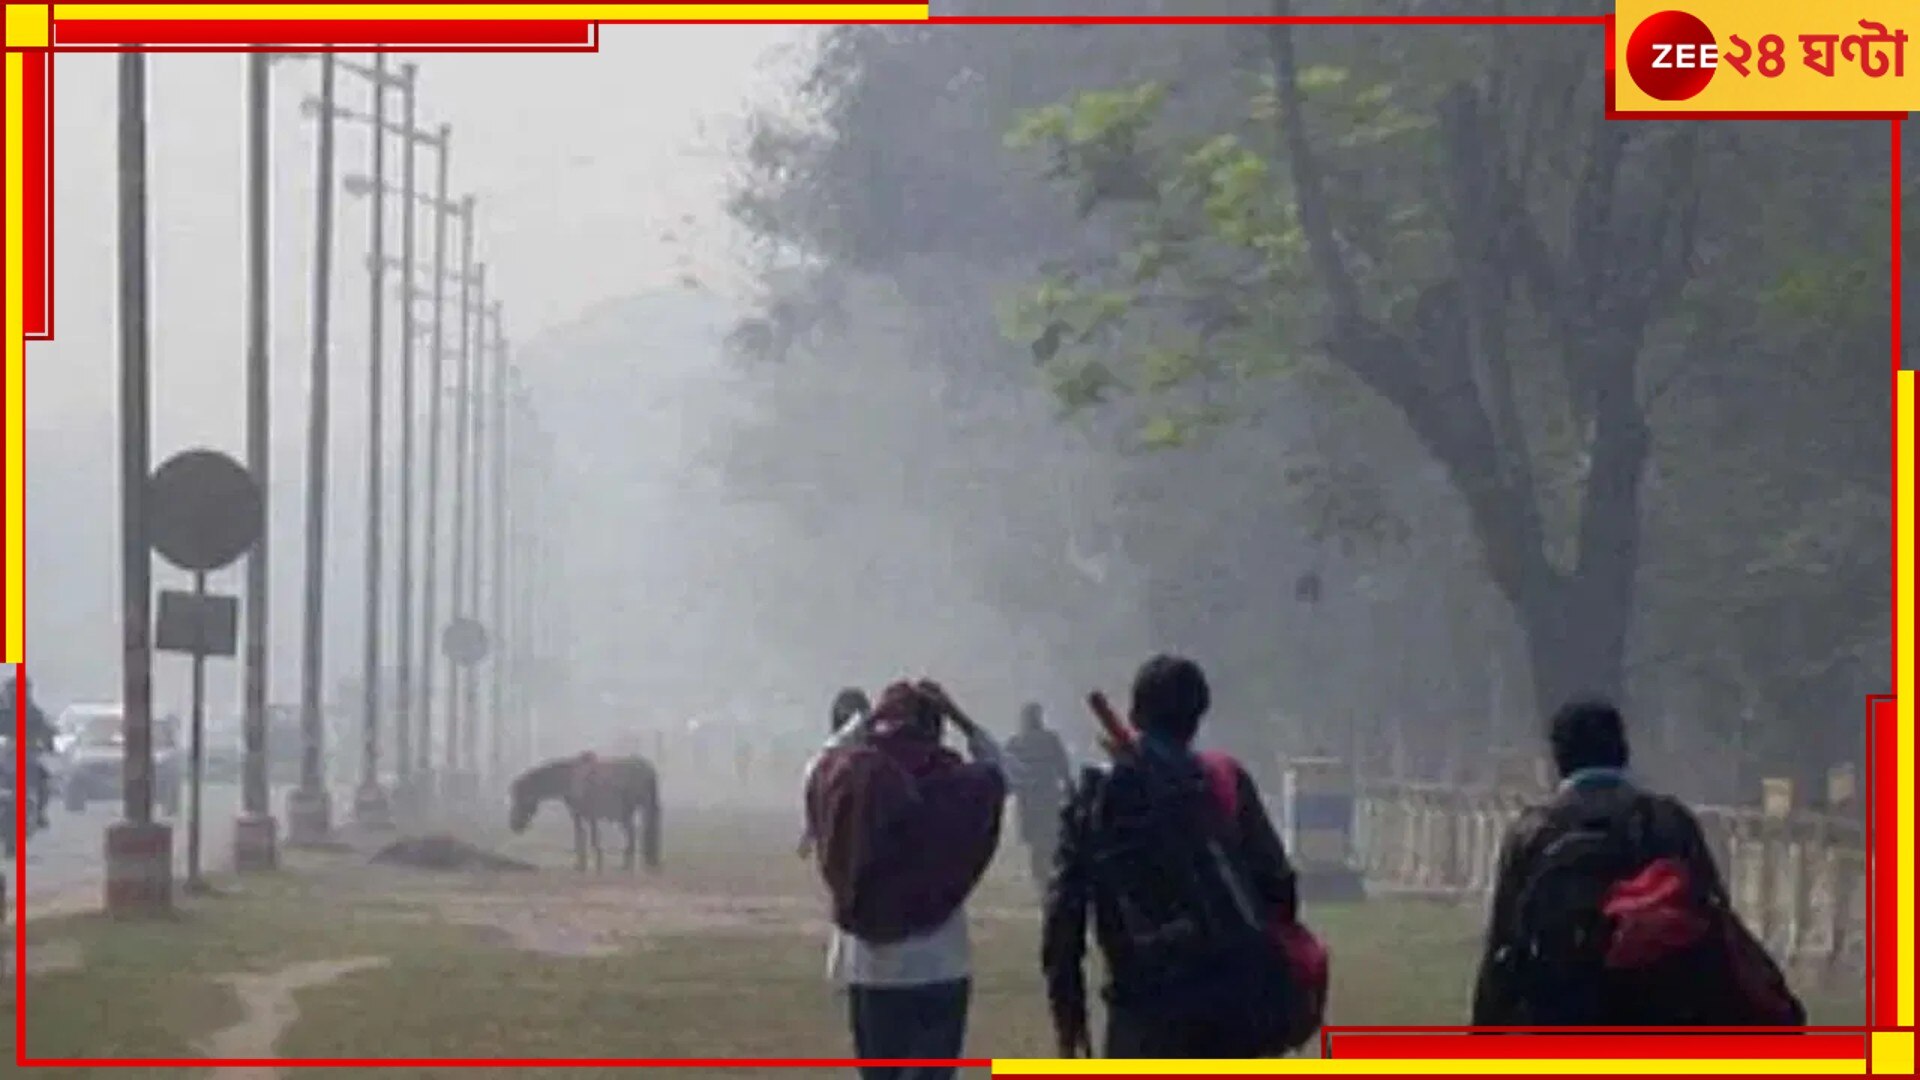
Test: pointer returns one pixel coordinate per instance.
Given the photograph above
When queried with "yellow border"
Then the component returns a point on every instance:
(1377, 1067)
(499, 12)
(16, 433)
(1903, 555)
(26, 27)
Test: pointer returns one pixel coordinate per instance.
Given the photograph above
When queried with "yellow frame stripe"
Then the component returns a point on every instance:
(1903, 584)
(1375, 1067)
(16, 434)
(887, 12)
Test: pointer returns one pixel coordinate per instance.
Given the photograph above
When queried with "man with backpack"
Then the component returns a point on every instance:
(1190, 889)
(904, 829)
(1609, 911)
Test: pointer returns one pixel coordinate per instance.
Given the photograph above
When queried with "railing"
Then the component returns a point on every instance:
(1798, 878)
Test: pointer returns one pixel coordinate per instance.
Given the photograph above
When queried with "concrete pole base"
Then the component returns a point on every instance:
(256, 843)
(372, 809)
(309, 817)
(139, 870)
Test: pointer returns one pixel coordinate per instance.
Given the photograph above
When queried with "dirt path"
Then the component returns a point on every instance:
(267, 1000)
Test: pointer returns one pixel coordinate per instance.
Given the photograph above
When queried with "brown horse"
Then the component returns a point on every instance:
(594, 789)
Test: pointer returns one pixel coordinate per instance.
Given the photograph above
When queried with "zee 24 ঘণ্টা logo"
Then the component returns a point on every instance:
(1672, 56)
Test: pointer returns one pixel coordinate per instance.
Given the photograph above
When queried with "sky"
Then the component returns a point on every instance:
(599, 176)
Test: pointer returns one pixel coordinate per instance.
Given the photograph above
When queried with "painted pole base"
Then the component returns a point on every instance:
(372, 809)
(309, 817)
(139, 870)
(256, 843)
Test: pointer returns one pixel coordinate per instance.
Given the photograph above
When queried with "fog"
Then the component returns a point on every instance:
(799, 444)
(689, 594)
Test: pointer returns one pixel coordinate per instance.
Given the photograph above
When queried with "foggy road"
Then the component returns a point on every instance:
(64, 864)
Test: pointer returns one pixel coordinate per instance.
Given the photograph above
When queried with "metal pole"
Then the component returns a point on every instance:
(476, 454)
(497, 597)
(458, 579)
(370, 803)
(254, 842)
(136, 580)
(309, 813)
(403, 635)
(139, 852)
(429, 623)
(197, 763)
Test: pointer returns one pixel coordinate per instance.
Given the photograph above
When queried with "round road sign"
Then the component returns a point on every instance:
(203, 510)
(466, 641)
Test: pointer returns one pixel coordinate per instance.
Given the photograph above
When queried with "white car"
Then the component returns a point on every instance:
(90, 741)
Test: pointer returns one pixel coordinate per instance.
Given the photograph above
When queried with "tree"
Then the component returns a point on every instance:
(1227, 224)
(1343, 316)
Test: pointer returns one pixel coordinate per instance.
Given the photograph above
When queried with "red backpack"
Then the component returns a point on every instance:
(1307, 964)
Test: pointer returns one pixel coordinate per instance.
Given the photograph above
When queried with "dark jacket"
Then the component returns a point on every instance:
(1082, 881)
(1672, 831)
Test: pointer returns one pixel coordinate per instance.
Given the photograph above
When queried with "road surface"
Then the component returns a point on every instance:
(65, 864)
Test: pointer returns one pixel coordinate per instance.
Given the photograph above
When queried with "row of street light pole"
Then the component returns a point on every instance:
(497, 534)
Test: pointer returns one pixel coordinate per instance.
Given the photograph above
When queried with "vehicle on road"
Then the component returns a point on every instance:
(94, 738)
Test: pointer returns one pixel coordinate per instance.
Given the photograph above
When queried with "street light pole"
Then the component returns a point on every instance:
(255, 835)
(497, 596)
(429, 624)
(476, 457)
(370, 806)
(309, 807)
(139, 850)
(462, 418)
(403, 633)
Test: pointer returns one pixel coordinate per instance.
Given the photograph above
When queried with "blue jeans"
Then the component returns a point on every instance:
(892, 1022)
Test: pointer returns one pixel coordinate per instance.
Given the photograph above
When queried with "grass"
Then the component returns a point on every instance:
(752, 987)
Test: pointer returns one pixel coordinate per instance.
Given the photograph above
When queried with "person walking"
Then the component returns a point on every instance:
(905, 829)
(1188, 884)
(1608, 909)
(1041, 775)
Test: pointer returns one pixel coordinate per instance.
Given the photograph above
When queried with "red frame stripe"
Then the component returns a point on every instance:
(37, 193)
(1881, 736)
(1883, 880)
(1785, 1046)
(334, 33)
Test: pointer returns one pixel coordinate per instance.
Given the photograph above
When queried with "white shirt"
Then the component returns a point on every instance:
(944, 954)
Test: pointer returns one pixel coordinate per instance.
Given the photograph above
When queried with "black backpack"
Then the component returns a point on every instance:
(1558, 963)
(1559, 970)
(1184, 903)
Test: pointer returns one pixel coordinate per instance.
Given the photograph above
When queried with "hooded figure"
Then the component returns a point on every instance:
(905, 830)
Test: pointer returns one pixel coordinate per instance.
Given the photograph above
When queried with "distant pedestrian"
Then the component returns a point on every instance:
(1041, 775)
(849, 705)
(906, 829)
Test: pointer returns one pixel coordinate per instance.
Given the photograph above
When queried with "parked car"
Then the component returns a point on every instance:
(92, 740)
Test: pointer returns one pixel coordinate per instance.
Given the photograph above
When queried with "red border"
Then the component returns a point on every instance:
(1431, 1042)
(1644, 1047)
(157, 35)
(37, 191)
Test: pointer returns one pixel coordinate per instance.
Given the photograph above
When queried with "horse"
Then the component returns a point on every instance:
(594, 789)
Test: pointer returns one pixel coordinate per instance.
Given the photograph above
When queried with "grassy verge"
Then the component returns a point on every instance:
(670, 987)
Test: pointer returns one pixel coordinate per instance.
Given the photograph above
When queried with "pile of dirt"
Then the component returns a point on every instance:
(441, 851)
